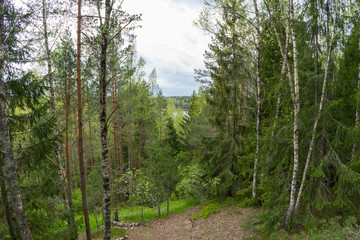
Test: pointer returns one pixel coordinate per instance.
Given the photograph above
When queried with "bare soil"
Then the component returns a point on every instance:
(224, 225)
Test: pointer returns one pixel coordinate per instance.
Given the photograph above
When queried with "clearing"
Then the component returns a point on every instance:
(225, 224)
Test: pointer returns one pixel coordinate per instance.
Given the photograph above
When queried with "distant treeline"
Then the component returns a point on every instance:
(181, 101)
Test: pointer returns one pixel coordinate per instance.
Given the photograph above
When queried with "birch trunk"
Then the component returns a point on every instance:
(290, 210)
(113, 93)
(103, 121)
(316, 54)
(322, 100)
(80, 127)
(294, 90)
(258, 97)
(6, 147)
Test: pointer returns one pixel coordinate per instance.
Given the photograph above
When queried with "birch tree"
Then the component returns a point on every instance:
(6, 146)
(292, 33)
(320, 110)
(106, 36)
(258, 95)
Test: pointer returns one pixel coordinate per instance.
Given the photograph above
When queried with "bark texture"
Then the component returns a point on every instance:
(5, 200)
(6, 147)
(291, 28)
(258, 97)
(103, 121)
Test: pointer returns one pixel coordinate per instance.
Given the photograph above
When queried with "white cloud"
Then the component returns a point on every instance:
(169, 41)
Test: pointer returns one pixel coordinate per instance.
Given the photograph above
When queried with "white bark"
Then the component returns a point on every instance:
(103, 121)
(290, 210)
(322, 100)
(6, 147)
(258, 97)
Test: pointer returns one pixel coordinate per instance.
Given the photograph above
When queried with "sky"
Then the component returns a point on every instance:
(169, 42)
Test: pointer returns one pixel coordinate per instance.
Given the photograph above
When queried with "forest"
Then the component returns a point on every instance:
(86, 134)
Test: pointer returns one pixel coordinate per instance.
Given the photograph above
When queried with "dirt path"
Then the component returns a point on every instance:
(225, 225)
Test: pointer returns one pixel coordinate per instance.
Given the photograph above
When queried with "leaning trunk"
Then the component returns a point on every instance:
(321, 106)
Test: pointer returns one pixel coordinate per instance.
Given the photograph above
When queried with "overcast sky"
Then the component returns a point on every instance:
(169, 42)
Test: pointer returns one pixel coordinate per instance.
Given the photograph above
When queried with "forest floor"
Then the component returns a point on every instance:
(228, 223)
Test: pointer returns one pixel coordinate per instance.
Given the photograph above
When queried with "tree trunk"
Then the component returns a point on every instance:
(67, 156)
(316, 54)
(258, 97)
(141, 140)
(167, 199)
(75, 154)
(290, 210)
(110, 166)
(113, 93)
(91, 147)
(103, 121)
(10, 162)
(120, 195)
(68, 199)
(322, 101)
(120, 145)
(157, 189)
(5, 201)
(80, 127)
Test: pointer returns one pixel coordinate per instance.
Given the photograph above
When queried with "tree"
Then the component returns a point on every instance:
(6, 11)
(172, 147)
(258, 94)
(80, 126)
(64, 58)
(227, 90)
(49, 75)
(5, 200)
(106, 27)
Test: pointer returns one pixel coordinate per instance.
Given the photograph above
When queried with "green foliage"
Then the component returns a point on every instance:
(208, 209)
(144, 190)
(193, 184)
(146, 214)
(333, 229)
(115, 232)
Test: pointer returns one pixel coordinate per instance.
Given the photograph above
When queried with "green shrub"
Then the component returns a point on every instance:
(194, 185)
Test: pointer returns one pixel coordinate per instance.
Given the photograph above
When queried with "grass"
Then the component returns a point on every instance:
(150, 214)
(115, 232)
(133, 214)
(208, 209)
